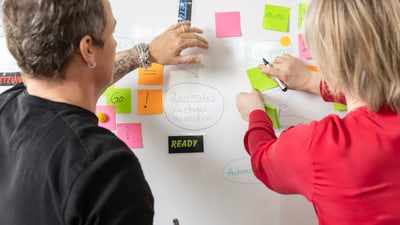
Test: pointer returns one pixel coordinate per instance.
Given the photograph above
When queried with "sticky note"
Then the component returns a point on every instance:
(131, 134)
(301, 14)
(153, 75)
(276, 18)
(272, 114)
(303, 50)
(109, 112)
(312, 68)
(260, 81)
(120, 98)
(227, 24)
(339, 107)
(149, 101)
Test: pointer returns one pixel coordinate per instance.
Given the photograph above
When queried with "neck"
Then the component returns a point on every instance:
(63, 90)
(354, 103)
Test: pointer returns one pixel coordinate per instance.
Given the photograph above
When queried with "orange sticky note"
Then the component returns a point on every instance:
(150, 101)
(152, 75)
(312, 68)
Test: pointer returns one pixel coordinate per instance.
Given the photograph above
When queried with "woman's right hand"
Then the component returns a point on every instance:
(294, 73)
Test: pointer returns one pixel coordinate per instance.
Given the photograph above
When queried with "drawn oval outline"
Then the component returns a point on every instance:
(239, 171)
(267, 49)
(193, 106)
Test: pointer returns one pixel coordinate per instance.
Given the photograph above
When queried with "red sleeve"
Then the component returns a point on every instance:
(327, 95)
(282, 164)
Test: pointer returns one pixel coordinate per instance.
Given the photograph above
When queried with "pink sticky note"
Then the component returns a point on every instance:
(227, 24)
(303, 50)
(109, 111)
(131, 134)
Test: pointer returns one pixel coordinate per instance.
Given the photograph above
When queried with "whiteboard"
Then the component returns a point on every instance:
(217, 186)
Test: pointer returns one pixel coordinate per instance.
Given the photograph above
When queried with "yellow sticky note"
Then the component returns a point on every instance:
(276, 18)
(153, 75)
(272, 114)
(150, 101)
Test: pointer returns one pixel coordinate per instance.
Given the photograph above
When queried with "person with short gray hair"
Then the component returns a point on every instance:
(57, 166)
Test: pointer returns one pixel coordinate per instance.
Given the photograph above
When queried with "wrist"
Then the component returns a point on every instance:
(143, 55)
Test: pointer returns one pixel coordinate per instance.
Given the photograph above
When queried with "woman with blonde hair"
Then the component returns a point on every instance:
(346, 167)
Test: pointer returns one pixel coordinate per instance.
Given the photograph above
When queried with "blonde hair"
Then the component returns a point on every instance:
(356, 45)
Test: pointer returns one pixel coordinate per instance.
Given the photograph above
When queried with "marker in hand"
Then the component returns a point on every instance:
(279, 82)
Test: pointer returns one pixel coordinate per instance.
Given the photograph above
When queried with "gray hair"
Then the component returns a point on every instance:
(43, 35)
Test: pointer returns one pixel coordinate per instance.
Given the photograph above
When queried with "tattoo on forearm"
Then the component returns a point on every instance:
(125, 62)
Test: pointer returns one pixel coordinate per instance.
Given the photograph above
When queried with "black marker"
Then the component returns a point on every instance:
(185, 10)
(175, 221)
(279, 82)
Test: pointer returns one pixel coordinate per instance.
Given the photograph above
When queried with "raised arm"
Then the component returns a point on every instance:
(164, 49)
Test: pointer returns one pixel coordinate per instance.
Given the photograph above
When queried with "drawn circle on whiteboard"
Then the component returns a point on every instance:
(285, 41)
(193, 106)
(239, 171)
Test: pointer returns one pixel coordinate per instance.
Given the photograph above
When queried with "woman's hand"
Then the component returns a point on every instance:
(294, 73)
(248, 102)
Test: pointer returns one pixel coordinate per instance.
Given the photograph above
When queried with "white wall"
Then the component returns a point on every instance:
(216, 187)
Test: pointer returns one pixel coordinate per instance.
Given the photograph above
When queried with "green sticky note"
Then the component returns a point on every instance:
(302, 12)
(260, 81)
(272, 114)
(120, 98)
(110, 88)
(339, 107)
(276, 18)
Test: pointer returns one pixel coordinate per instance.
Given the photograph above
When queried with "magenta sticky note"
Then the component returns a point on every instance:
(109, 111)
(303, 50)
(131, 134)
(227, 24)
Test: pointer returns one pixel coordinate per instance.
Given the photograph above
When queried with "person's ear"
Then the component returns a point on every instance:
(87, 50)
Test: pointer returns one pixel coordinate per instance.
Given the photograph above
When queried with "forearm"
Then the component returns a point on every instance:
(125, 62)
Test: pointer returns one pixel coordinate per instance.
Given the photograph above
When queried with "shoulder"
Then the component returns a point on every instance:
(11, 93)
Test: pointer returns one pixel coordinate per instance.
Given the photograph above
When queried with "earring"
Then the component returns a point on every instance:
(92, 65)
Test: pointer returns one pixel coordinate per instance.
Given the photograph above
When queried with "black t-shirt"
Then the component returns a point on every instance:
(57, 166)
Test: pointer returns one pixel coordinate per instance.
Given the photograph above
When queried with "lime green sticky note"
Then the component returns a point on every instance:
(302, 12)
(260, 81)
(120, 98)
(339, 107)
(276, 18)
(110, 88)
(272, 114)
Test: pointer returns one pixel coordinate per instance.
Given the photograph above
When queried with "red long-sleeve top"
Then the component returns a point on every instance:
(348, 168)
